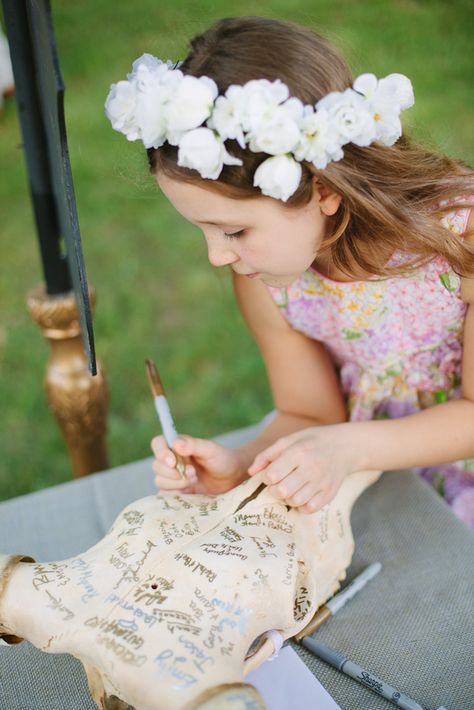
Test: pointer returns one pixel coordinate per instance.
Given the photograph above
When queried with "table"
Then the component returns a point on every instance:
(412, 625)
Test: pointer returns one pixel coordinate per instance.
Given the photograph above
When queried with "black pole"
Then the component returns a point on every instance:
(54, 262)
(40, 98)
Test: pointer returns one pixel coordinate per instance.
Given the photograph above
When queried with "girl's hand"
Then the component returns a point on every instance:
(210, 467)
(306, 469)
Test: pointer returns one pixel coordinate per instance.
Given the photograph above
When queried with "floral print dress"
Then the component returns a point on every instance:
(397, 344)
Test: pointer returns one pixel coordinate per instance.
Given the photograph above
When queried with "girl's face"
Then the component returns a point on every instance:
(260, 238)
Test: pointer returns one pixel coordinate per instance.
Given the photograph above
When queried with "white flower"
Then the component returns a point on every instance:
(227, 116)
(201, 150)
(317, 143)
(279, 131)
(191, 102)
(154, 92)
(120, 109)
(399, 88)
(366, 84)
(159, 103)
(349, 117)
(385, 99)
(394, 89)
(147, 65)
(278, 177)
(135, 107)
(7, 81)
(260, 98)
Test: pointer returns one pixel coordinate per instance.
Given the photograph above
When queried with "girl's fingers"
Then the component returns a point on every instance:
(303, 495)
(191, 446)
(265, 457)
(288, 486)
(259, 463)
(158, 444)
(281, 467)
(171, 484)
(315, 503)
(191, 473)
(165, 471)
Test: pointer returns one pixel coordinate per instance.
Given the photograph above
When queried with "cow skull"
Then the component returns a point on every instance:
(171, 608)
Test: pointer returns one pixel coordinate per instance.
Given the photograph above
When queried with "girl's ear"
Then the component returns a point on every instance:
(329, 200)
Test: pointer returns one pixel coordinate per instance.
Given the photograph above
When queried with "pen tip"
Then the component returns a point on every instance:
(153, 378)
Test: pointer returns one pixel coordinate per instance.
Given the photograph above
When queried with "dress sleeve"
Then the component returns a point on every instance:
(456, 220)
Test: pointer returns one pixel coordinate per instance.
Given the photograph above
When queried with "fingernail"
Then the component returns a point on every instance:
(169, 460)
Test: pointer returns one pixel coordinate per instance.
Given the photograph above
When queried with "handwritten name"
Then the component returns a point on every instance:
(324, 524)
(136, 611)
(302, 604)
(170, 531)
(85, 574)
(196, 566)
(171, 664)
(121, 651)
(231, 535)
(57, 604)
(264, 544)
(290, 553)
(222, 548)
(123, 629)
(130, 573)
(199, 657)
(48, 573)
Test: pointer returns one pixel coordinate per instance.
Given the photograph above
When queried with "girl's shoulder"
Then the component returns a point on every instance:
(458, 213)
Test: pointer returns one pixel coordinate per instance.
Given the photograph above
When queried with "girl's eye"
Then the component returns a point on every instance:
(234, 235)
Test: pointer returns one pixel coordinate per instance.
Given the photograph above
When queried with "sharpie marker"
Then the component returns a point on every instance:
(342, 663)
(164, 413)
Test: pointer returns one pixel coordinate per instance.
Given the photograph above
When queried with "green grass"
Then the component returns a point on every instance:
(157, 296)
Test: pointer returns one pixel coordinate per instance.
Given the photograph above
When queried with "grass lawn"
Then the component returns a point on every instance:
(157, 296)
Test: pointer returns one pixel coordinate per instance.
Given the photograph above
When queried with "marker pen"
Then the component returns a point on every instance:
(342, 663)
(164, 413)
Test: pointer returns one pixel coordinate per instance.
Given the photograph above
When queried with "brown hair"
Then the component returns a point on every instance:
(390, 195)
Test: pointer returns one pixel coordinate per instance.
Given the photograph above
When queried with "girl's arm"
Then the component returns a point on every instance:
(302, 377)
(441, 434)
(307, 468)
(305, 389)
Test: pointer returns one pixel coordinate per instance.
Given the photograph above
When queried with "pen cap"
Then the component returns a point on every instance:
(334, 658)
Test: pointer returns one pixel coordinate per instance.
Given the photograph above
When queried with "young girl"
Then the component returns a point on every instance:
(350, 251)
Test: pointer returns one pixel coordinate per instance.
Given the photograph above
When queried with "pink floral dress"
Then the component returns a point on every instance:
(397, 344)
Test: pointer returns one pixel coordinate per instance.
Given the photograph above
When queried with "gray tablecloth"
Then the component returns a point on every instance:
(412, 625)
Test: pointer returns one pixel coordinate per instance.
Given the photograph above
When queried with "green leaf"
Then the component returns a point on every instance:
(438, 483)
(349, 334)
(450, 281)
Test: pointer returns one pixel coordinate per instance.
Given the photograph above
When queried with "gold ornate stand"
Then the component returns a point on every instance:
(78, 400)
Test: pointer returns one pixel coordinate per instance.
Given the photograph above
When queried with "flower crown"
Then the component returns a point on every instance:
(159, 103)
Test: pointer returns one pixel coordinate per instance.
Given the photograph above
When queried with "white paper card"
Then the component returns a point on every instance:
(286, 683)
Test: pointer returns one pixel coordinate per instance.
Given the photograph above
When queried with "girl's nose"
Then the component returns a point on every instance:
(220, 254)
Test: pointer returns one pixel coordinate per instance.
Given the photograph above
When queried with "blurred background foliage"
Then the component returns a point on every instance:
(157, 295)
